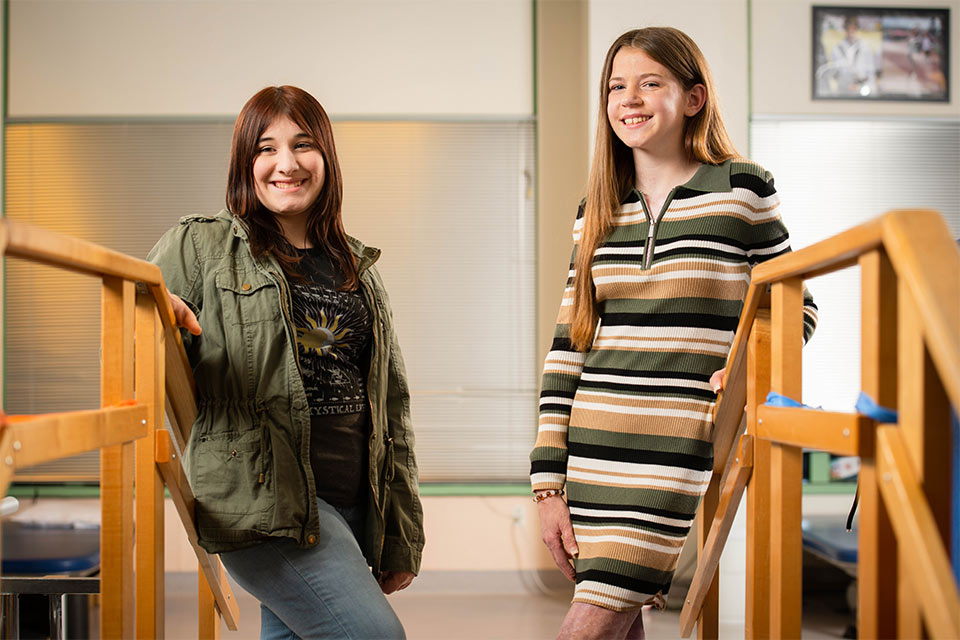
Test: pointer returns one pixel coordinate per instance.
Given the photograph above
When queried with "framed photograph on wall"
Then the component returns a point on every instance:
(881, 53)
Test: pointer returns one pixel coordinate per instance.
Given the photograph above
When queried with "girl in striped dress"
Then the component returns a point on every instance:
(664, 242)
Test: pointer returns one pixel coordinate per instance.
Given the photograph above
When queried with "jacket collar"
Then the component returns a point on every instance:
(366, 256)
(709, 178)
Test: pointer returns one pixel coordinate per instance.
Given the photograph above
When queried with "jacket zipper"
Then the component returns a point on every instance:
(653, 222)
(288, 316)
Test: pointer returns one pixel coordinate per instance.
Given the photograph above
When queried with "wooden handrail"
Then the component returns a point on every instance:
(924, 259)
(57, 250)
(91, 430)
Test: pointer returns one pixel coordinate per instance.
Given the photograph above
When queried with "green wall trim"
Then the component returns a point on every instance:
(430, 489)
(836, 488)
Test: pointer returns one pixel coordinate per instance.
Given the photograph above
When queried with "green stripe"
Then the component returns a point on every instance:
(641, 442)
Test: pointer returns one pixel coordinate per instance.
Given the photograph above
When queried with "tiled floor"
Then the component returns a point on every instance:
(457, 614)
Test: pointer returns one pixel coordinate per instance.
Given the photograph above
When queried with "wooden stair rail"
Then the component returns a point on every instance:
(910, 325)
(144, 368)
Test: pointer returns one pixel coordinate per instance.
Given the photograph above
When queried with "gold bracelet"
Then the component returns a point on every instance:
(548, 493)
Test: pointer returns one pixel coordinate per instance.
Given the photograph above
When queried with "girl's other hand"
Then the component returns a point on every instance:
(716, 380)
(185, 317)
(557, 533)
(391, 581)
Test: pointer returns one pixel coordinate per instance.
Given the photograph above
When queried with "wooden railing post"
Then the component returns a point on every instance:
(925, 426)
(708, 624)
(786, 475)
(877, 550)
(116, 463)
(758, 491)
(209, 626)
(149, 483)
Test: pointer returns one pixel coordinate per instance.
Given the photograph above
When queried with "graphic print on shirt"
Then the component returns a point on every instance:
(332, 333)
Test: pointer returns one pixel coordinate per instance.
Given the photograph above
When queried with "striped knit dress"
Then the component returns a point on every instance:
(627, 426)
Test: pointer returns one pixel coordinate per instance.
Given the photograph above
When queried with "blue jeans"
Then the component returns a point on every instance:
(326, 591)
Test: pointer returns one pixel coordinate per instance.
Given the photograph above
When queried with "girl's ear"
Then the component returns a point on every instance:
(696, 98)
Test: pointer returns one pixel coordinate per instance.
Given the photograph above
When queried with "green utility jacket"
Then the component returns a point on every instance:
(248, 455)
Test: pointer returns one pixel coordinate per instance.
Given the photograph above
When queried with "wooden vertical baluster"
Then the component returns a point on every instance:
(758, 490)
(708, 624)
(209, 615)
(925, 425)
(149, 483)
(117, 601)
(786, 462)
(877, 551)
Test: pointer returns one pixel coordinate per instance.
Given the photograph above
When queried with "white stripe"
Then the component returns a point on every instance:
(546, 478)
(679, 474)
(584, 476)
(673, 275)
(673, 382)
(677, 333)
(552, 426)
(720, 350)
(608, 597)
(634, 515)
(635, 411)
(768, 250)
(663, 536)
(573, 369)
(555, 400)
(701, 244)
(572, 357)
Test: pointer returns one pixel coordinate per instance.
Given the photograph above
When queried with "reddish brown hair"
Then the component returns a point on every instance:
(324, 225)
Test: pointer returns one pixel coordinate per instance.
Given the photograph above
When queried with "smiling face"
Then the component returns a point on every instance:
(646, 104)
(288, 170)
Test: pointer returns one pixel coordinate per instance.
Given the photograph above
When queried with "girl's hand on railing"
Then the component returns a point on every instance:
(184, 316)
(557, 533)
(716, 380)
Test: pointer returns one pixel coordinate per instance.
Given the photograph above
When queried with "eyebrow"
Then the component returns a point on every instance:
(642, 76)
(299, 135)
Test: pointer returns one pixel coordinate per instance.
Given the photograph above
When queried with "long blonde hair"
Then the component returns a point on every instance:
(705, 139)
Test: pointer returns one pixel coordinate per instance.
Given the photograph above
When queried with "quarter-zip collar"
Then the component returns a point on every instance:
(709, 178)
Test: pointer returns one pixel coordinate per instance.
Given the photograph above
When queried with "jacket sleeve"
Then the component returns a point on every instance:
(770, 239)
(561, 377)
(177, 256)
(403, 541)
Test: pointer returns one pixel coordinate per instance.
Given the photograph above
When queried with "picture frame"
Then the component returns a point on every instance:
(880, 53)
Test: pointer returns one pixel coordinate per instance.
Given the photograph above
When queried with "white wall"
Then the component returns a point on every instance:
(781, 61)
(719, 27)
(77, 58)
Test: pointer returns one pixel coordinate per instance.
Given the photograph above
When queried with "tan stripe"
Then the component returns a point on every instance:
(592, 592)
(647, 557)
(640, 536)
(603, 421)
(710, 205)
(663, 338)
(654, 403)
(623, 474)
(718, 289)
(553, 439)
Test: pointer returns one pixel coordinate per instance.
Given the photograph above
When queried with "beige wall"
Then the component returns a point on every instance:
(376, 58)
(781, 63)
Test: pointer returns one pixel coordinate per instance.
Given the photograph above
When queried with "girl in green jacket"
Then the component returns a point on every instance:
(301, 456)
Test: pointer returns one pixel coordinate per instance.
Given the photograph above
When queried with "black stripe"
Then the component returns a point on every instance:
(561, 408)
(771, 242)
(646, 388)
(557, 393)
(686, 320)
(698, 252)
(548, 466)
(633, 584)
(653, 511)
(754, 183)
(633, 523)
(640, 456)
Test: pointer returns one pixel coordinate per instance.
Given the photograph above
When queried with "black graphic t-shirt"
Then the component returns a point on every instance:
(333, 336)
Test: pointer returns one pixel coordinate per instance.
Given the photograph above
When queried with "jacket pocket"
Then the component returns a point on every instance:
(246, 297)
(228, 472)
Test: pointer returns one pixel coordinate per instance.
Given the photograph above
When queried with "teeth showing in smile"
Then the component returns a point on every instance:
(288, 185)
(636, 120)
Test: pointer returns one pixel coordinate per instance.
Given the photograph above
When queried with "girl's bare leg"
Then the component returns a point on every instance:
(590, 622)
